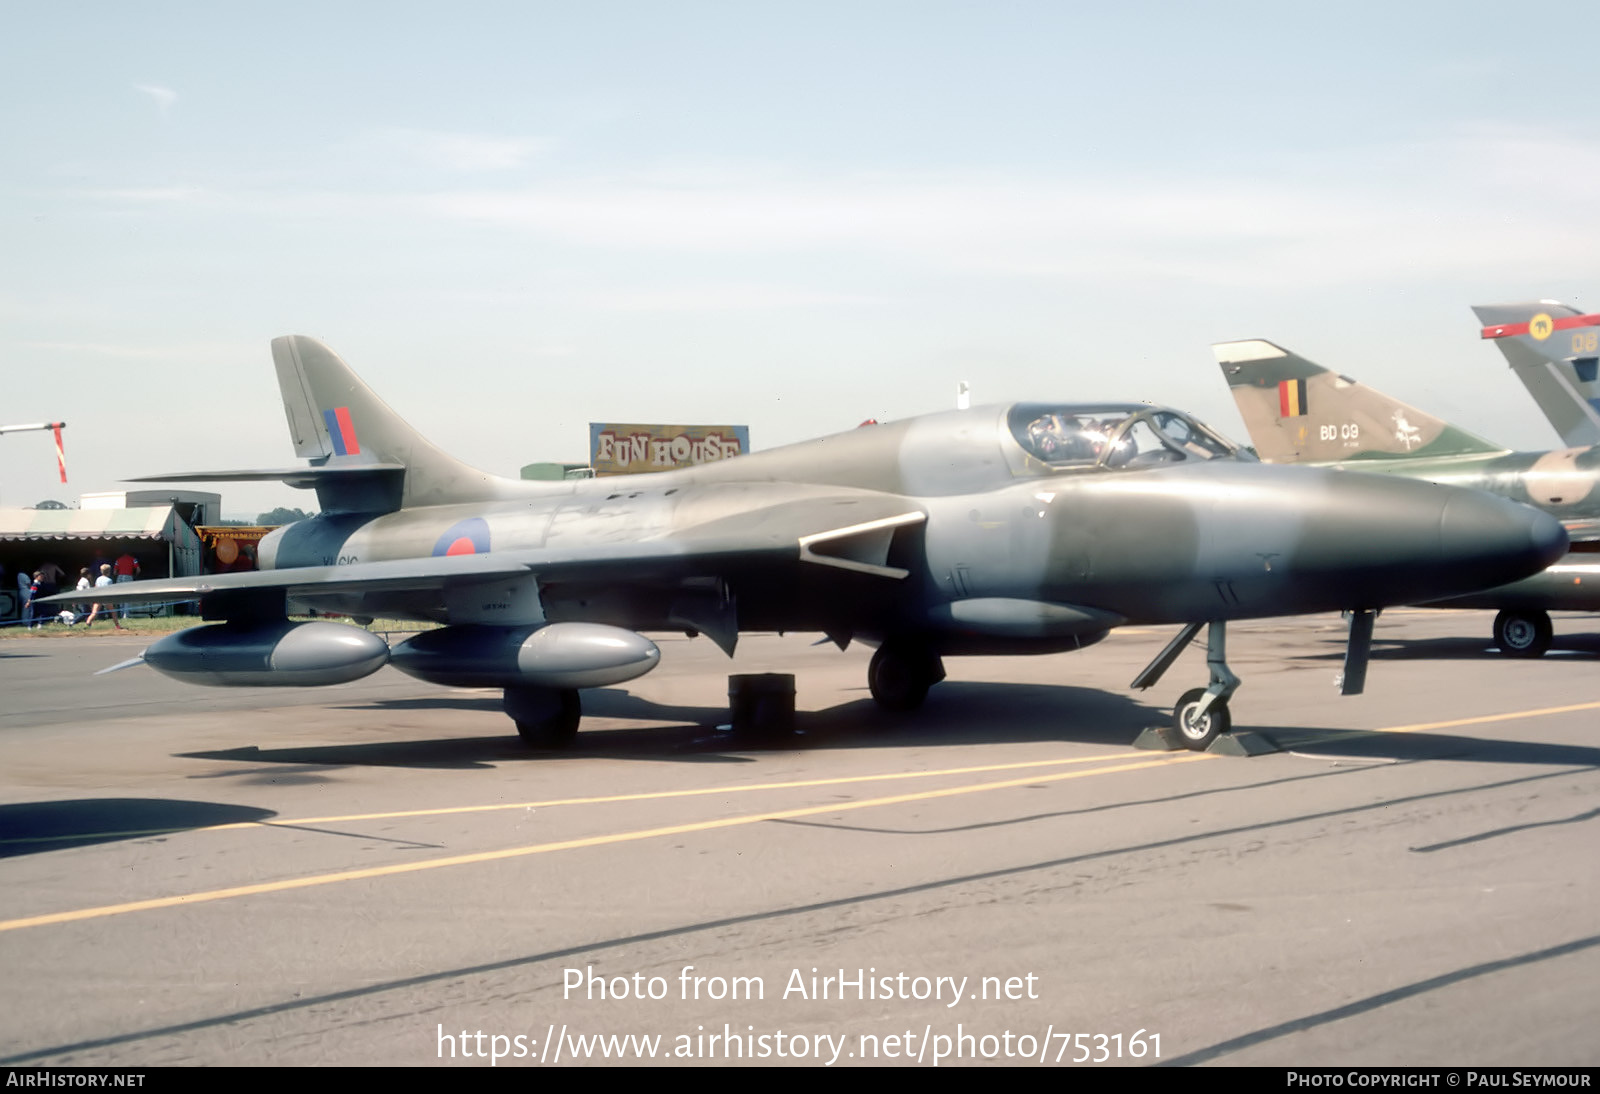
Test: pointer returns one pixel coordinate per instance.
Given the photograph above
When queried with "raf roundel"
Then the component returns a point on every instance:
(464, 537)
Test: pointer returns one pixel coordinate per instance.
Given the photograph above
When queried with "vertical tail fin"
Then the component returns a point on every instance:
(1299, 412)
(338, 423)
(1555, 351)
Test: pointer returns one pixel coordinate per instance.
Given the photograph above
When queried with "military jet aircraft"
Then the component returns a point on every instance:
(1555, 351)
(1030, 528)
(1297, 412)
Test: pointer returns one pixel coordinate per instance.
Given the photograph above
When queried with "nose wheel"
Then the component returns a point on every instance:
(1201, 716)
(1199, 723)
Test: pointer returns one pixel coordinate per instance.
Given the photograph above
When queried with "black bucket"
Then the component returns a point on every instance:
(762, 702)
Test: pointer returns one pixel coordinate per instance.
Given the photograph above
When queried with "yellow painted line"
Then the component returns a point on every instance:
(798, 784)
(652, 795)
(573, 844)
(1455, 723)
(1484, 718)
(662, 795)
(705, 826)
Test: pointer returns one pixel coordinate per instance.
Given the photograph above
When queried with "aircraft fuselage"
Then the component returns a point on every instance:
(1006, 553)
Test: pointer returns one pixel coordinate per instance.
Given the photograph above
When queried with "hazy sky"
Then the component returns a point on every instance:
(514, 219)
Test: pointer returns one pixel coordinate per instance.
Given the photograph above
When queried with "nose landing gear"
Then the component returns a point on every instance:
(1201, 716)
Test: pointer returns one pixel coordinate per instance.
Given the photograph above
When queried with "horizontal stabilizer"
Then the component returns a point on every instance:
(292, 476)
(363, 488)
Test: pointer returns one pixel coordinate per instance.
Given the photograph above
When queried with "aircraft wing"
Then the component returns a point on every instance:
(846, 533)
(396, 575)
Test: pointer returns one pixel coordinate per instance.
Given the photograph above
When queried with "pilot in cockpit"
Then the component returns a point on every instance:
(1061, 438)
(1048, 436)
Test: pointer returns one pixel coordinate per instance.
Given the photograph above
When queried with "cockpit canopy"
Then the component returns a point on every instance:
(1080, 436)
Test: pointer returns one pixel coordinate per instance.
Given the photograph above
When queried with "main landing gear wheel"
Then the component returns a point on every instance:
(1197, 730)
(901, 674)
(545, 717)
(1523, 634)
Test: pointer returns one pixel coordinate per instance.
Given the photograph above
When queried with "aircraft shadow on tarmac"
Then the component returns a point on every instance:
(957, 713)
(1573, 647)
(27, 828)
(1364, 746)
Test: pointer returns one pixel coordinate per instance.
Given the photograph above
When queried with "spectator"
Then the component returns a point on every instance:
(104, 582)
(126, 568)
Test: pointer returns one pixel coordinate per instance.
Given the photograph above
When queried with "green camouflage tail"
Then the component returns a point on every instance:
(1299, 412)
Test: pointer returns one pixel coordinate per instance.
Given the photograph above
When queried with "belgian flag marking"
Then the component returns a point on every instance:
(1291, 398)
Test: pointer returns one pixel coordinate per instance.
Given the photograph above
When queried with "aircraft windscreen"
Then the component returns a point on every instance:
(1113, 436)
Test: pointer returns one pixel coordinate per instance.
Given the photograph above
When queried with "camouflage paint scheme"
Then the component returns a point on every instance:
(1298, 412)
(1017, 529)
(1346, 424)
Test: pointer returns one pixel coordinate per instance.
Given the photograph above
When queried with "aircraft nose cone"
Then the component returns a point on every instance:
(1494, 541)
(1382, 540)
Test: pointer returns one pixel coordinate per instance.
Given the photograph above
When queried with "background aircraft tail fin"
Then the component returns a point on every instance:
(1555, 351)
(1298, 412)
(354, 440)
